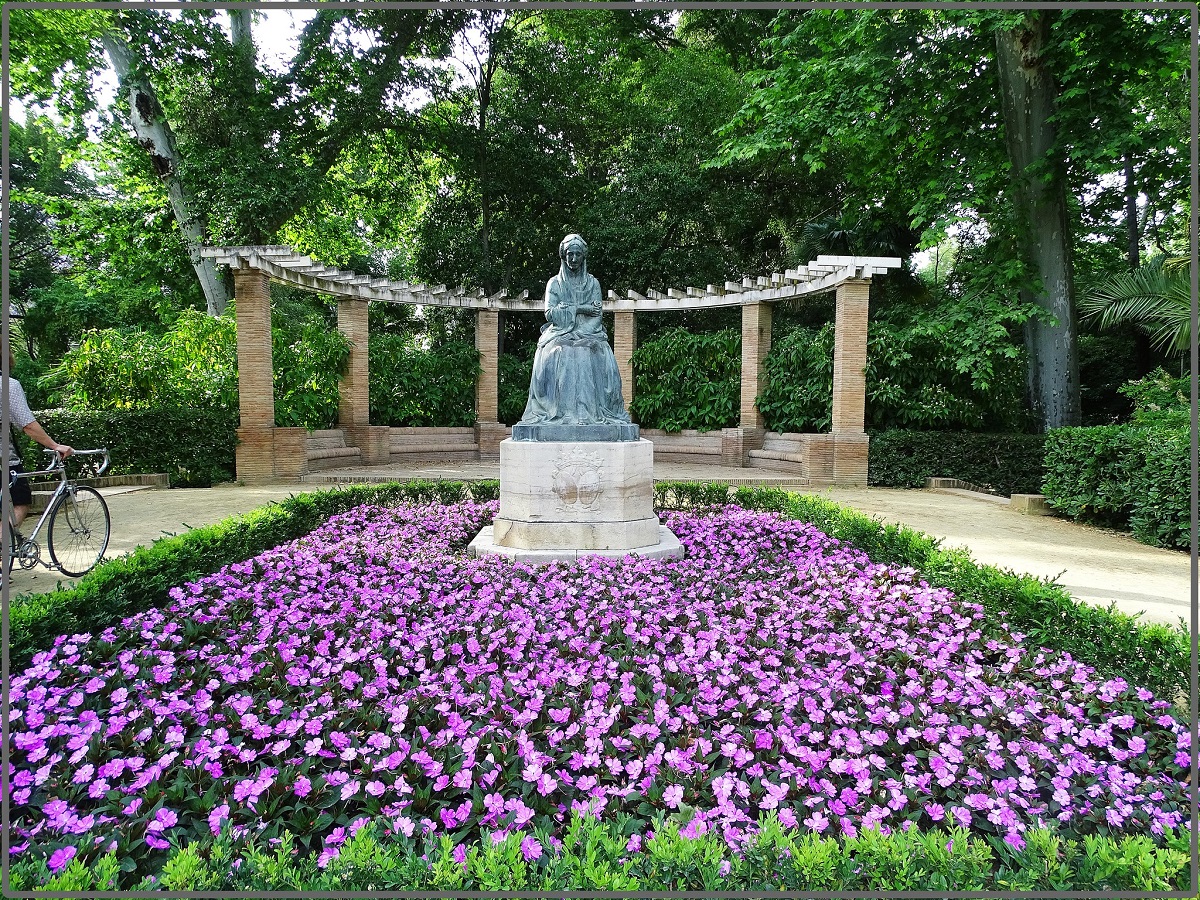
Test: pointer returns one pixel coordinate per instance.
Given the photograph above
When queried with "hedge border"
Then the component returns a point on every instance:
(594, 856)
(1157, 657)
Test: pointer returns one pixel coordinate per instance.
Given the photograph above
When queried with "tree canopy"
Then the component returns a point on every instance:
(459, 146)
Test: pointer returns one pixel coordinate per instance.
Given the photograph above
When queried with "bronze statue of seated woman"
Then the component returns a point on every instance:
(576, 385)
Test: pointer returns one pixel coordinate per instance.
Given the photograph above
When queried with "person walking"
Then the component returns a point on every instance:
(22, 417)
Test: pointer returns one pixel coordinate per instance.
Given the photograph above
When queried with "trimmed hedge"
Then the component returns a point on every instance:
(1007, 463)
(1123, 476)
(594, 856)
(143, 579)
(194, 447)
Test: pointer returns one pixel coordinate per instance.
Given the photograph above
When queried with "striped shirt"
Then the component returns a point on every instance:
(19, 414)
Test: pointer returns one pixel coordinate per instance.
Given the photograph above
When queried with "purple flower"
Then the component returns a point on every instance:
(59, 858)
(530, 849)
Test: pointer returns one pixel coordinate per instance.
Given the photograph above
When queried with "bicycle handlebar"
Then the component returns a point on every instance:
(59, 460)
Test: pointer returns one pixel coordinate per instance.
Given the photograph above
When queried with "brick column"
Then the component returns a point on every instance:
(255, 453)
(850, 383)
(756, 343)
(624, 343)
(850, 357)
(488, 430)
(487, 385)
(256, 392)
(353, 408)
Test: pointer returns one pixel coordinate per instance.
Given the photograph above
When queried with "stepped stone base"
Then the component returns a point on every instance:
(562, 500)
(667, 547)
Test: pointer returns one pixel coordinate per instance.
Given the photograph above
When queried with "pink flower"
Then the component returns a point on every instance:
(530, 849)
(673, 796)
(59, 858)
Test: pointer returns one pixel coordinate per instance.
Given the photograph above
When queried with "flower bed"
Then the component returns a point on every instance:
(371, 670)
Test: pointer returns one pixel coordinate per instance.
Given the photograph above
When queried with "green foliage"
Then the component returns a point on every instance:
(1107, 362)
(143, 579)
(193, 364)
(1159, 399)
(690, 494)
(687, 380)
(798, 396)
(1156, 297)
(1124, 476)
(415, 385)
(1006, 463)
(594, 857)
(950, 365)
(193, 446)
(515, 373)
(307, 364)
(1090, 472)
(1162, 493)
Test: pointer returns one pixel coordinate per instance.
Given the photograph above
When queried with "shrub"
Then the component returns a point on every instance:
(194, 364)
(1160, 399)
(194, 447)
(594, 857)
(515, 372)
(1090, 472)
(688, 380)
(798, 395)
(412, 385)
(307, 362)
(1007, 463)
(919, 375)
(1161, 512)
(1123, 476)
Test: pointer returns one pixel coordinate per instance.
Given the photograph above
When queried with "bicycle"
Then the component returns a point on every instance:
(76, 519)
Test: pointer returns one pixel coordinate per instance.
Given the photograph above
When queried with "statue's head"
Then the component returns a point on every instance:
(573, 252)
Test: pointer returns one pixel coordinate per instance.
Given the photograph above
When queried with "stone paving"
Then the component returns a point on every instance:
(1094, 565)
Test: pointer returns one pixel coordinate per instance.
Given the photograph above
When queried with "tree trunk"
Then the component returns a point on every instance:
(154, 135)
(1132, 229)
(1027, 95)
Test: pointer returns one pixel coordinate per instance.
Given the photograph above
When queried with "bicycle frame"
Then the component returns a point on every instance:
(57, 465)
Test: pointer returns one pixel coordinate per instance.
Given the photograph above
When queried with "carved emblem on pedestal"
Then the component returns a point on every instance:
(576, 481)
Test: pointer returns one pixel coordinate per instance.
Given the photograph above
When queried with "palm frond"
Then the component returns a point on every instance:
(1156, 297)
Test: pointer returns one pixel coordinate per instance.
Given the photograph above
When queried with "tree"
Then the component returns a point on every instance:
(240, 150)
(1028, 103)
(938, 116)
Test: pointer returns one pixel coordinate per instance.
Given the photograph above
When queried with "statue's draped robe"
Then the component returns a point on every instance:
(575, 377)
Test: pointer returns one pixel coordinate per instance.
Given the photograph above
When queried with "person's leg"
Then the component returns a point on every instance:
(22, 495)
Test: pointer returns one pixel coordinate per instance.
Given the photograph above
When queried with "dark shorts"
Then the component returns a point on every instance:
(21, 494)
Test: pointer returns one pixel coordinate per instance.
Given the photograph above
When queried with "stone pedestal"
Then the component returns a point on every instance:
(560, 500)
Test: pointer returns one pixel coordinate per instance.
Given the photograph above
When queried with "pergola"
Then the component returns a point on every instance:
(266, 451)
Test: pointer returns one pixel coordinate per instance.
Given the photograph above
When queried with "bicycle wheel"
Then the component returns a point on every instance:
(79, 528)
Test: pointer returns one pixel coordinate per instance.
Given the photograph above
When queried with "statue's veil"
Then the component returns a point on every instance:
(575, 283)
